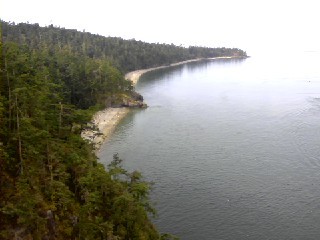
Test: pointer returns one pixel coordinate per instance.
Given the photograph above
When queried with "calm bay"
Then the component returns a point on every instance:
(232, 147)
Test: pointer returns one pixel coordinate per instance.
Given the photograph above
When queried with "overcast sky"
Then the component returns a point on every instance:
(247, 24)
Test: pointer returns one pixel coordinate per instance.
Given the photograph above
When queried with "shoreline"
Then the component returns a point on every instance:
(104, 122)
(102, 125)
(134, 76)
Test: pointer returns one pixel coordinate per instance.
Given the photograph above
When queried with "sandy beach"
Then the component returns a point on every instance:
(102, 125)
(104, 122)
(135, 75)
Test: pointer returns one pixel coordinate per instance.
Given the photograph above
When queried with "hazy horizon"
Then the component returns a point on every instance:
(253, 26)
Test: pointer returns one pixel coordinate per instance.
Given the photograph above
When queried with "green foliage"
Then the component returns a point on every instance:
(52, 80)
(127, 55)
(51, 185)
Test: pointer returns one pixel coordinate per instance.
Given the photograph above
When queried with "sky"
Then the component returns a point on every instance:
(254, 26)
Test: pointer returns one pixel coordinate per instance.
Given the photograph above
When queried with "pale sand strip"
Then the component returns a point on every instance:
(103, 125)
(134, 76)
(104, 122)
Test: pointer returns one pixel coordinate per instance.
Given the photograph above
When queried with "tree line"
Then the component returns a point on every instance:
(126, 55)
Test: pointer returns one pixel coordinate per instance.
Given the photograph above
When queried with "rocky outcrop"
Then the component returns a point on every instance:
(134, 100)
(104, 122)
(129, 99)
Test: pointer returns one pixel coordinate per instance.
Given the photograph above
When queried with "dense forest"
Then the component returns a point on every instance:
(51, 184)
(126, 55)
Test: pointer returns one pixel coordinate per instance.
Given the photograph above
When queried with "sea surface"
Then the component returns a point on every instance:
(233, 147)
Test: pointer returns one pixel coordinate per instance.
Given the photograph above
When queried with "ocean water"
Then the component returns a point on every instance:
(231, 145)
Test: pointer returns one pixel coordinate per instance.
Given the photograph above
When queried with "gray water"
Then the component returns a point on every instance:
(232, 146)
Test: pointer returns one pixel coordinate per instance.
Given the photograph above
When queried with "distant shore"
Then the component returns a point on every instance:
(104, 122)
(134, 76)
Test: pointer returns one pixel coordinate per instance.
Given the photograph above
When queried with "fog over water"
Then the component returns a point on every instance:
(232, 146)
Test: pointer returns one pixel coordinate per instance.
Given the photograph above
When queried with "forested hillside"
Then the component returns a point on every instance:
(51, 185)
(126, 55)
(51, 82)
